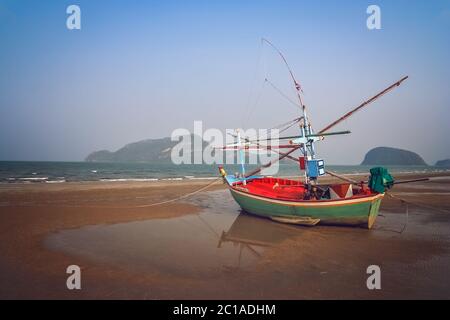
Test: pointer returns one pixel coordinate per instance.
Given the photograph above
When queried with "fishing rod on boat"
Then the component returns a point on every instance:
(306, 136)
(411, 180)
(354, 182)
(362, 105)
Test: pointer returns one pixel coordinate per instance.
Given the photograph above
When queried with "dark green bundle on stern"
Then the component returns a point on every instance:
(380, 179)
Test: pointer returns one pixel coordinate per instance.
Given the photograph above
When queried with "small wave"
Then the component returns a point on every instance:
(33, 179)
(440, 178)
(129, 179)
(203, 178)
(55, 181)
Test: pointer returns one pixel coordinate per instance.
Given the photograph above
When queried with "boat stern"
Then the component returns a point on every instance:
(374, 209)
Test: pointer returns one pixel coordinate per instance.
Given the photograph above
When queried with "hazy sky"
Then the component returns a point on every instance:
(138, 70)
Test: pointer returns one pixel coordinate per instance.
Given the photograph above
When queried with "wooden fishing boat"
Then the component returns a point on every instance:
(283, 200)
(306, 202)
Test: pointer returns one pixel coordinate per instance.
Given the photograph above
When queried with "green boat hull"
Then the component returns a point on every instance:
(360, 212)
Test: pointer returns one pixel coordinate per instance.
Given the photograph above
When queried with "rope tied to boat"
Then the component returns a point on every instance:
(407, 203)
(406, 222)
(417, 204)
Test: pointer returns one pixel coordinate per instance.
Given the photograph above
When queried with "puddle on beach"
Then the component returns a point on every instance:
(218, 240)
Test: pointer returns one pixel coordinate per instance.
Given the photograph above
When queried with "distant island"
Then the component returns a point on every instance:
(392, 156)
(149, 150)
(443, 163)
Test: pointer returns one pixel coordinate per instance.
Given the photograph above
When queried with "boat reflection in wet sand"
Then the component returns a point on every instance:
(254, 235)
(251, 231)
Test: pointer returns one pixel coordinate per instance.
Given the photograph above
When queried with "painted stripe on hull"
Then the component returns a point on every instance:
(324, 203)
(362, 211)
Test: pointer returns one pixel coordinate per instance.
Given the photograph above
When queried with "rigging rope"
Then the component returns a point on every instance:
(296, 83)
(262, 60)
(282, 127)
(282, 93)
(249, 110)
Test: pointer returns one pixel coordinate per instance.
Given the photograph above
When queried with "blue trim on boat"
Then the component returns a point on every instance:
(231, 179)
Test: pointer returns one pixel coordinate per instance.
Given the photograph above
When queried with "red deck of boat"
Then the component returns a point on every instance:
(276, 188)
(284, 189)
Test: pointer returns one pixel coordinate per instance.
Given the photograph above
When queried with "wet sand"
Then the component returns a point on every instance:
(203, 247)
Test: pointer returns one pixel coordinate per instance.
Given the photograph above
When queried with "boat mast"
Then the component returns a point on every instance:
(305, 127)
(241, 155)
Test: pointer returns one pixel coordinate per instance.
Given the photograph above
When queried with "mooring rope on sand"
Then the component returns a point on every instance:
(184, 196)
(408, 203)
(417, 204)
(406, 213)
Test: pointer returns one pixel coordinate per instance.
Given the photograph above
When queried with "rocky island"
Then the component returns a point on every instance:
(443, 163)
(392, 156)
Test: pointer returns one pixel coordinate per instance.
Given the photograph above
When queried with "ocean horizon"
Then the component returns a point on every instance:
(80, 171)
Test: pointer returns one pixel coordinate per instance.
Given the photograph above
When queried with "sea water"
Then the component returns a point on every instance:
(58, 172)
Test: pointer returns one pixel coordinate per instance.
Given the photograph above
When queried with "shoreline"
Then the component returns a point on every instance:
(92, 176)
(198, 180)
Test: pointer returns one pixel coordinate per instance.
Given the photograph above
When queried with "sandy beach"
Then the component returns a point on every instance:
(203, 248)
